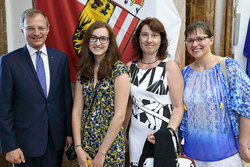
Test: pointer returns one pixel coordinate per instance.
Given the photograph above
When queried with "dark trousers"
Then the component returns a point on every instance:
(51, 158)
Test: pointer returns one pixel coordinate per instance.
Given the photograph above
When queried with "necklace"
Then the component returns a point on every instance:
(150, 62)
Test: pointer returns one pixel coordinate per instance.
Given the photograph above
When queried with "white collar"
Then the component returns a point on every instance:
(32, 51)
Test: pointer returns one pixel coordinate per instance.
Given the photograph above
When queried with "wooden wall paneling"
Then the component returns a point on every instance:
(228, 30)
(3, 33)
(209, 12)
(188, 11)
(218, 14)
(194, 12)
(3, 50)
(197, 10)
(223, 30)
(33, 3)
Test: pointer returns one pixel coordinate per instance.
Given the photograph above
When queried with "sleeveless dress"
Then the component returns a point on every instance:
(96, 121)
(151, 106)
(210, 126)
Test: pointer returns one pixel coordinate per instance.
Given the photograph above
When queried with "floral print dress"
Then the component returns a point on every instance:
(96, 120)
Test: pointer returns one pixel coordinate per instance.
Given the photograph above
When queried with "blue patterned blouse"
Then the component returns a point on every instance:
(210, 125)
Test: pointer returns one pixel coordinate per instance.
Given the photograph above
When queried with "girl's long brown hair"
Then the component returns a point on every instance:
(87, 60)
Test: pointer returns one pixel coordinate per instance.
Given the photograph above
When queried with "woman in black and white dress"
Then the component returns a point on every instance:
(156, 87)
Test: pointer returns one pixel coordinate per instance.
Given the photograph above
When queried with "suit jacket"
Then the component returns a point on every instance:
(26, 116)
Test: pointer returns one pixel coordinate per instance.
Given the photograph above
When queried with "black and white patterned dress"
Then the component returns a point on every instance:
(151, 105)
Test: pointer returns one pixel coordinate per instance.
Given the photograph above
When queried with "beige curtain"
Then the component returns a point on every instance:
(180, 52)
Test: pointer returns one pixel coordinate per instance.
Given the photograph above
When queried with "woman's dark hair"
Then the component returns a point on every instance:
(87, 60)
(156, 26)
(192, 28)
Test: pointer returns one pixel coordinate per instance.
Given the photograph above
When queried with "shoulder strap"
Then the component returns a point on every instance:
(223, 68)
(176, 140)
(94, 97)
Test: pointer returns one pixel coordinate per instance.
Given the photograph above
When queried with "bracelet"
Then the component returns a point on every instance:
(77, 145)
(172, 130)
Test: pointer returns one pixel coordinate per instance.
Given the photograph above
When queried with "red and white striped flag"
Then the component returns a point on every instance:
(121, 21)
(69, 20)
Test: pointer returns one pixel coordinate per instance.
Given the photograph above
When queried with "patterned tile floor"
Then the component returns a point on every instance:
(67, 163)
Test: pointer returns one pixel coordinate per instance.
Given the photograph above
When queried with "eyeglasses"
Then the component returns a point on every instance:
(102, 39)
(200, 39)
(33, 29)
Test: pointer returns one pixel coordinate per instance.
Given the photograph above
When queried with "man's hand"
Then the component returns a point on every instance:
(68, 142)
(15, 156)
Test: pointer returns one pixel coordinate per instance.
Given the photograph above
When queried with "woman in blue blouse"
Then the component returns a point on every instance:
(210, 131)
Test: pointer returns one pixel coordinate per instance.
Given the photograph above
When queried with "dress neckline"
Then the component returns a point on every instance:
(163, 61)
(204, 70)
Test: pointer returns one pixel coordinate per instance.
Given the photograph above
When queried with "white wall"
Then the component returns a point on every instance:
(243, 9)
(14, 9)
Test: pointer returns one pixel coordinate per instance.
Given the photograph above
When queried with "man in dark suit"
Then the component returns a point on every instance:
(35, 98)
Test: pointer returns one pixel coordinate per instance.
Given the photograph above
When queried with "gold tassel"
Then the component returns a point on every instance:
(221, 105)
(185, 108)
